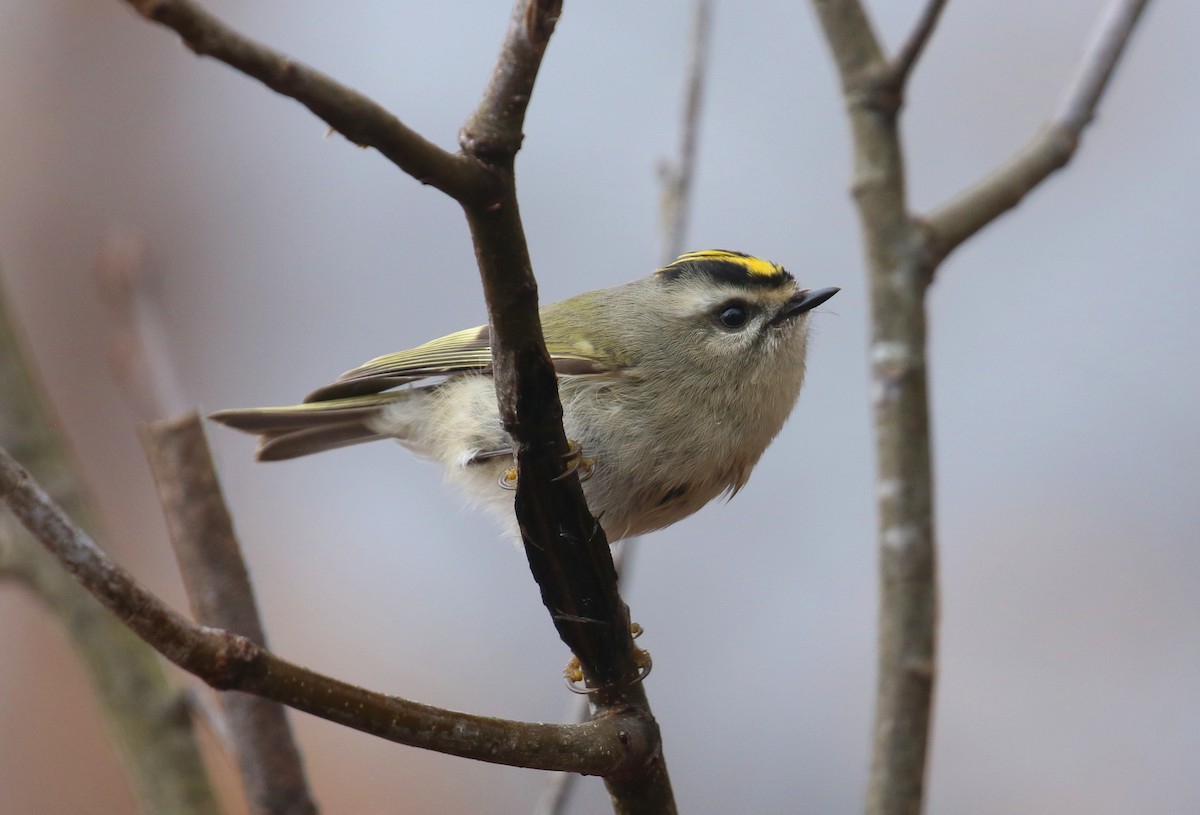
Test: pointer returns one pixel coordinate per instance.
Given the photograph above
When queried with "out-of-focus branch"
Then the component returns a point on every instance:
(1051, 149)
(147, 714)
(137, 347)
(906, 58)
(149, 717)
(218, 586)
(612, 746)
(677, 175)
(902, 253)
(355, 116)
(208, 554)
(898, 273)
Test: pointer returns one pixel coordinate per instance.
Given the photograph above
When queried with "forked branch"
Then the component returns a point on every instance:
(902, 254)
(232, 662)
(951, 224)
(906, 58)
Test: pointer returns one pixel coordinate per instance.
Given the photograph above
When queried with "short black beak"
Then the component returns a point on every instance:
(806, 301)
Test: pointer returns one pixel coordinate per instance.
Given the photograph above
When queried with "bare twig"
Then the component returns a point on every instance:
(566, 548)
(147, 713)
(906, 58)
(145, 710)
(1051, 149)
(137, 349)
(1099, 61)
(355, 116)
(902, 253)
(232, 662)
(677, 175)
(218, 586)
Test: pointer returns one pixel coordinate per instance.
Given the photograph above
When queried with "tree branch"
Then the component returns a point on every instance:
(146, 712)
(898, 273)
(906, 58)
(232, 662)
(566, 548)
(902, 254)
(360, 119)
(567, 551)
(676, 176)
(948, 226)
(218, 586)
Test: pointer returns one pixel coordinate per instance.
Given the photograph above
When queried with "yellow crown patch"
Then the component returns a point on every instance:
(726, 266)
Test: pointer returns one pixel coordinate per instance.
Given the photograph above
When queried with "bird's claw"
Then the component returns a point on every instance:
(576, 462)
(573, 671)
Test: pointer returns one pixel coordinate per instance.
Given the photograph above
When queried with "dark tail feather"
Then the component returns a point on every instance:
(287, 444)
(298, 430)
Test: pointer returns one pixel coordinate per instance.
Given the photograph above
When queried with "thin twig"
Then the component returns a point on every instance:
(976, 207)
(137, 348)
(231, 662)
(355, 116)
(1099, 61)
(677, 176)
(566, 547)
(218, 586)
(906, 58)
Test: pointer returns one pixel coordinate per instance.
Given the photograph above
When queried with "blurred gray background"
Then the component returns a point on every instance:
(1065, 392)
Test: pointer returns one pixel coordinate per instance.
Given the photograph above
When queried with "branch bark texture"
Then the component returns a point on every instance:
(218, 586)
(902, 253)
(567, 550)
(232, 662)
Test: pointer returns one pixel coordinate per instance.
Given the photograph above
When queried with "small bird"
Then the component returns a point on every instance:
(672, 387)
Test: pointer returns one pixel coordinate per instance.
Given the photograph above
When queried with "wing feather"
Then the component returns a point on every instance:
(468, 351)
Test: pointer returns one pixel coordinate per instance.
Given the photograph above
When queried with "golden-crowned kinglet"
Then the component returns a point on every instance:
(671, 386)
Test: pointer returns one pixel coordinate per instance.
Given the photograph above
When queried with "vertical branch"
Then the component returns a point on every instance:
(902, 253)
(567, 550)
(218, 586)
(146, 713)
(898, 271)
(209, 557)
(677, 175)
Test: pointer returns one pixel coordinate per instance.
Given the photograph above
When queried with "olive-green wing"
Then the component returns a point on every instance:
(462, 352)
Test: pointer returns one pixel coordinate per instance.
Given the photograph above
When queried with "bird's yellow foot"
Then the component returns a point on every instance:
(508, 478)
(576, 462)
(573, 672)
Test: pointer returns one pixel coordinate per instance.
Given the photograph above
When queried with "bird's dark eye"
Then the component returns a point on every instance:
(733, 315)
